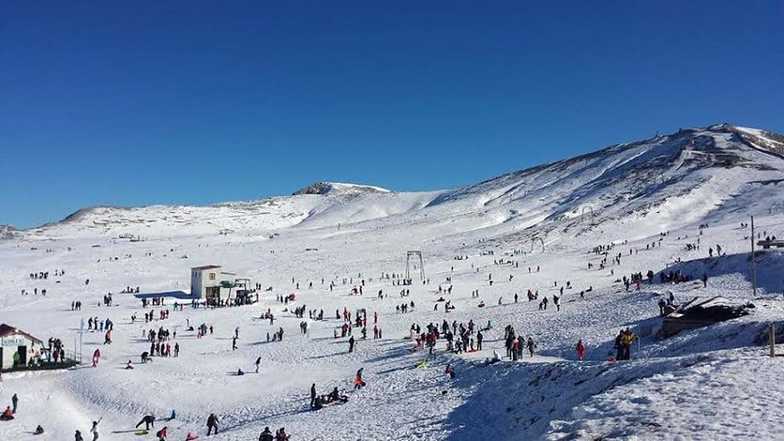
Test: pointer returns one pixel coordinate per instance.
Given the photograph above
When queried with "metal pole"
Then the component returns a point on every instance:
(753, 261)
(81, 333)
(772, 338)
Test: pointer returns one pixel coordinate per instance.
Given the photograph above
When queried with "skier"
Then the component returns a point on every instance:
(212, 424)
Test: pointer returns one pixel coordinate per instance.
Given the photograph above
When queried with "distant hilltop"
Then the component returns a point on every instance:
(325, 188)
(695, 175)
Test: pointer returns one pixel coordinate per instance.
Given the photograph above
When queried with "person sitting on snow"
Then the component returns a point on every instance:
(8, 414)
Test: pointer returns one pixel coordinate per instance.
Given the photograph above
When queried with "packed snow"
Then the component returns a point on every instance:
(571, 229)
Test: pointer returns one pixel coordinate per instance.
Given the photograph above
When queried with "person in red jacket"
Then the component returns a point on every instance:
(96, 357)
(358, 381)
(161, 434)
(580, 350)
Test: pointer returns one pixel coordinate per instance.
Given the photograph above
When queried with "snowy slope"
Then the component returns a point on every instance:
(684, 387)
(667, 181)
(255, 218)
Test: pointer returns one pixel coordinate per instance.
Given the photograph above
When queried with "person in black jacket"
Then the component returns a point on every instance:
(148, 421)
(212, 424)
(266, 435)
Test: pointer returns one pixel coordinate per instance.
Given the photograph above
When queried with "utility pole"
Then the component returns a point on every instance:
(81, 334)
(753, 261)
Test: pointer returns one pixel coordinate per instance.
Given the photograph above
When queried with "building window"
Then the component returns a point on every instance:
(212, 276)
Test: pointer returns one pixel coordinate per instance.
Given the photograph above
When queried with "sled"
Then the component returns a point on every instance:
(421, 364)
(141, 432)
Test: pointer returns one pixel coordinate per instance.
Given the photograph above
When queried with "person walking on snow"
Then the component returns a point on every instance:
(266, 435)
(212, 424)
(258, 362)
(580, 350)
(14, 402)
(96, 357)
(94, 429)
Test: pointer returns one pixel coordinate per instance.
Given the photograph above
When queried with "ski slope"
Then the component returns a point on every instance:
(690, 386)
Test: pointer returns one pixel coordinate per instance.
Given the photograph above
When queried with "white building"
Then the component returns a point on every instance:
(206, 282)
(17, 348)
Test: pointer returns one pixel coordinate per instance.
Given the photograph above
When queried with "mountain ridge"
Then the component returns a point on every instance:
(615, 181)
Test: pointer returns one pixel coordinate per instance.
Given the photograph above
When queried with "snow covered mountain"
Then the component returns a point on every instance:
(339, 188)
(667, 181)
(343, 247)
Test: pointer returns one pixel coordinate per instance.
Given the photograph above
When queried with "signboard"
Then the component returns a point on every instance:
(13, 341)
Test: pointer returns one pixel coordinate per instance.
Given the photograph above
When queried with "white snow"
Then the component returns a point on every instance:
(714, 383)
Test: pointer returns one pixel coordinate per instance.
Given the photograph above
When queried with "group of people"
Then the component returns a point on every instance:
(623, 344)
(516, 343)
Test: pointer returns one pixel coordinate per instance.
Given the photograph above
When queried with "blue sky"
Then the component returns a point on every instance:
(197, 102)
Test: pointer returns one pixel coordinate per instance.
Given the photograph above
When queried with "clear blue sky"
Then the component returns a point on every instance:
(199, 102)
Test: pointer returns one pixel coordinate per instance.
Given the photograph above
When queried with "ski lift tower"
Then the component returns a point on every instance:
(415, 254)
